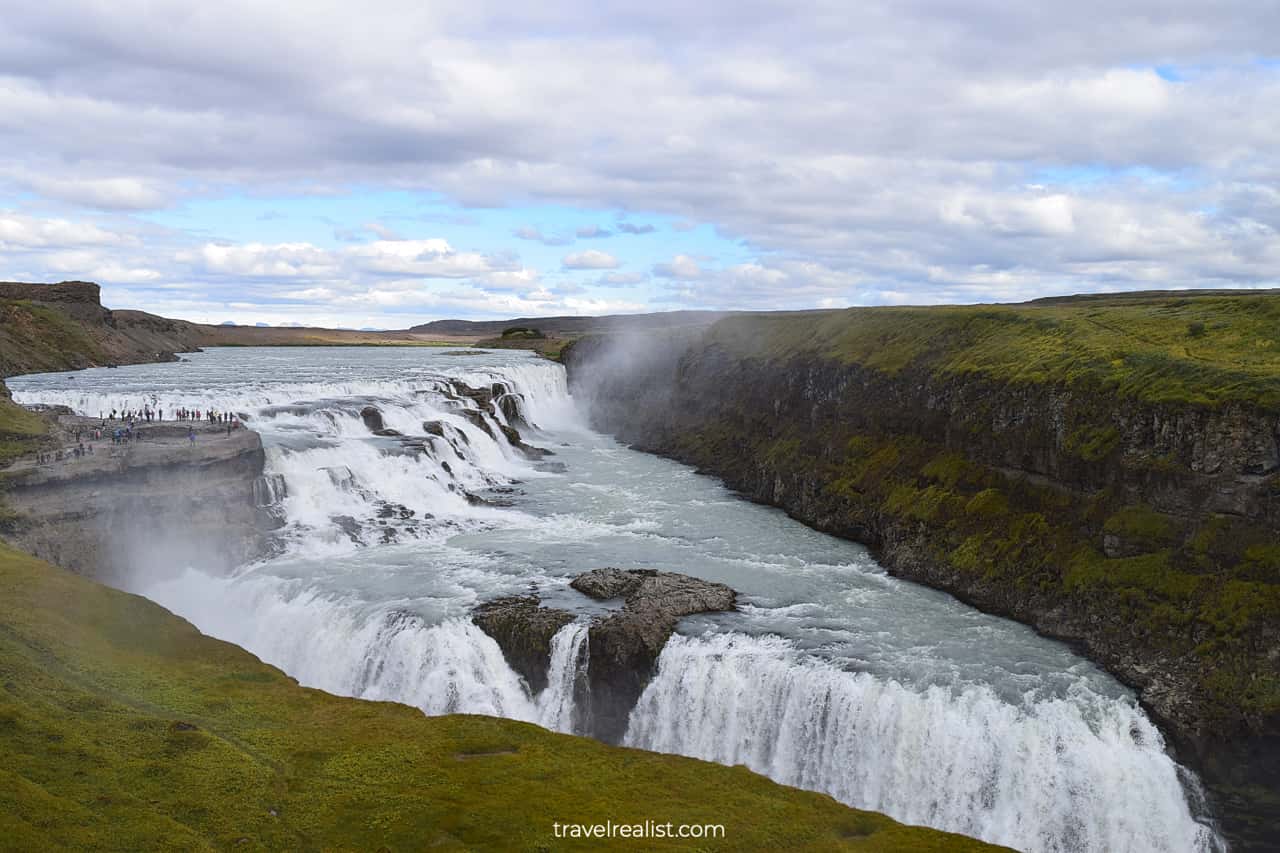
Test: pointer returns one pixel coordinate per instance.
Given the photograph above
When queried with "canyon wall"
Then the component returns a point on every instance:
(129, 508)
(153, 506)
(1146, 532)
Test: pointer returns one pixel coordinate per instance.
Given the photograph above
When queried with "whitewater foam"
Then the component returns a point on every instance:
(1068, 774)
(1046, 754)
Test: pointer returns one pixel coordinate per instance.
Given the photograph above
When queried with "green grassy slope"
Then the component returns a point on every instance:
(122, 727)
(36, 338)
(20, 430)
(1180, 348)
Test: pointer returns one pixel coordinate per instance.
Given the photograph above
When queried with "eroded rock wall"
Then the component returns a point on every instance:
(1148, 534)
(150, 509)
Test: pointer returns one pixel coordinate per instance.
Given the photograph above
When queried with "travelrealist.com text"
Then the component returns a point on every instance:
(642, 830)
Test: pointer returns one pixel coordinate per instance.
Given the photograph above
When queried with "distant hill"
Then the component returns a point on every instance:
(571, 325)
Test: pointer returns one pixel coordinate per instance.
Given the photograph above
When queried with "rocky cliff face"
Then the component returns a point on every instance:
(64, 326)
(154, 506)
(1147, 533)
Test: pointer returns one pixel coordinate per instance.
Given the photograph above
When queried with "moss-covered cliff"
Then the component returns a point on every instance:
(1106, 470)
(123, 728)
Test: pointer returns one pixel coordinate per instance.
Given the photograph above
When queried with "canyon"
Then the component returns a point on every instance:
(1131, 515)
(1139, 523)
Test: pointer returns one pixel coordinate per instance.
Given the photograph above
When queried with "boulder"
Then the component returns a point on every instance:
(372, 419)
(623, 646)
(523, 629)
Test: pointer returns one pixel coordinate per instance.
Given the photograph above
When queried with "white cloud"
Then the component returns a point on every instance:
(258, 260)
(30, 232)
(621, 279)
(530, 232)
(383, 232)
(681, 267)
(1014, 150)
(591, 259)
(102, 193)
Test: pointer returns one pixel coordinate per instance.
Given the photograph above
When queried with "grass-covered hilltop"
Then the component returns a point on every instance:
(124, 728)
(1106, 469)
(1191, 347)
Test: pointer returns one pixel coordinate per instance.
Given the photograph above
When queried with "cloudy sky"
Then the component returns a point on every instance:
(385, 164)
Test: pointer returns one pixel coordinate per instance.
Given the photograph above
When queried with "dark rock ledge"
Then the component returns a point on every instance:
(622, 646)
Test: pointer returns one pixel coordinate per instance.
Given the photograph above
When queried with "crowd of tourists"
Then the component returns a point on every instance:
(149, 415)
(130, 429)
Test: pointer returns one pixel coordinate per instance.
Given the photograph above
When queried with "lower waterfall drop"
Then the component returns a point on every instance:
(1064, 775)
(385, 542)
(557, 702)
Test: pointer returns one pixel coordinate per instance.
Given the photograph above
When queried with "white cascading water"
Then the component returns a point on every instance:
(1050, 776)
(567, 670)
(384, 549)
(336, 645)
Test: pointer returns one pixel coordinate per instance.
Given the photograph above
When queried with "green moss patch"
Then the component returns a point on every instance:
(1131, 345)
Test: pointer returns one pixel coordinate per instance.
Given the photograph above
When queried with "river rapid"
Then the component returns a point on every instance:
(832, 676)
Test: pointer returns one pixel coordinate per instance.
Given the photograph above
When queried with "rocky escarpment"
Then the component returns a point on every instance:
(622, 646)
(153, 505)
(1147, 531)
(64, 326)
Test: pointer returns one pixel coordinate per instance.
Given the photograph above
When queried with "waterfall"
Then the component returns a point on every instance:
(1081, 773)
(352, 649)
(340, 611)
(336, 484)
(566, 676)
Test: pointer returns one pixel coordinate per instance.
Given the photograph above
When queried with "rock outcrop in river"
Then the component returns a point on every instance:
(622, 646)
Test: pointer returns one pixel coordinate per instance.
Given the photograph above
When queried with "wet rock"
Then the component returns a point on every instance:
(372, 419)
(387, 432)
(603, 584)
(269, 490)
(393, 510)
(509, 405)
(349, 526)
(523, 630)
(623, 646)
(414, 448)
(435, 428)
(478, 500)
(483, 397)
(480, 421)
